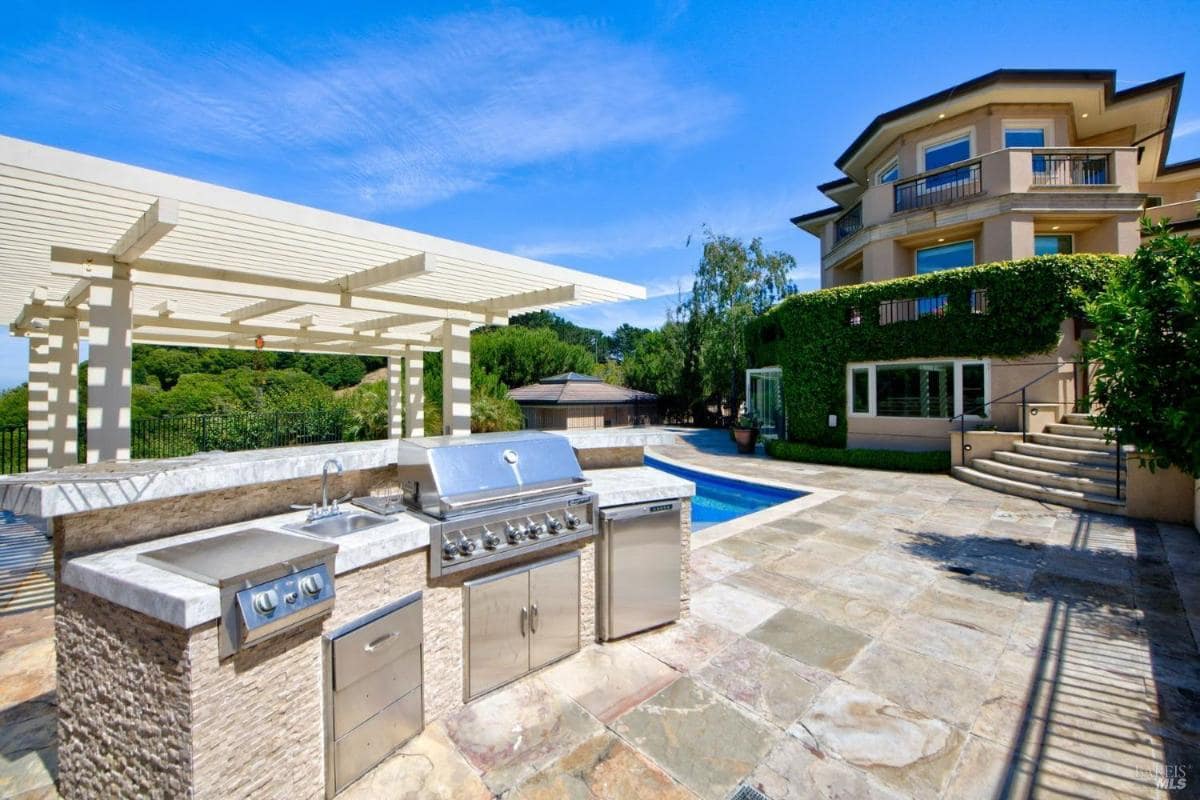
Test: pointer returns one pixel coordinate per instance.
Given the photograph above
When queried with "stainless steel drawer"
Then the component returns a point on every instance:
(354, 704)
(369, 743)
(368, 647)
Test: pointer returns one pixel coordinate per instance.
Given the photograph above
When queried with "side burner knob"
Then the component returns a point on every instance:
(312, 585)
(266, 602)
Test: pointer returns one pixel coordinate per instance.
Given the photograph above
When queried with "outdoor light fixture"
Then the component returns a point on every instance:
(258, 342)
(1055, 227)
(941, 240)
(1083, 115)
(941, 116)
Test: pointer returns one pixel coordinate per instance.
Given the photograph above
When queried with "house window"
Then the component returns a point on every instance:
(1155, 200)
(1024, 137)
(947, 152)
(945, 256)
(890, 173)
(974, 397)
(860, 391)
(1053, 244)
(932, 390)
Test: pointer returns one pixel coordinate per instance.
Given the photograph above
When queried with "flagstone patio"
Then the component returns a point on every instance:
(913, 637)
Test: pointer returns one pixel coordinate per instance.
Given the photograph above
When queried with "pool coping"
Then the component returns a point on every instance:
(714, 533)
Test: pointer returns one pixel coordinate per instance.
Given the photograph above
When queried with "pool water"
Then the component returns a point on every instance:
(720, 499)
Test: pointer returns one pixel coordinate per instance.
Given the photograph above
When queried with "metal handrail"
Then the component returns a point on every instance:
(962, 419)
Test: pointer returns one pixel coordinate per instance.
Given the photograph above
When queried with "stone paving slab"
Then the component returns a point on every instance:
(700, 738)
(811, 640)
(610, 680)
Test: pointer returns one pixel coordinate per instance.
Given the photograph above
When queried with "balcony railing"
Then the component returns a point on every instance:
(1071, 169)
(13, 449)
(941, 186)
(848, 224)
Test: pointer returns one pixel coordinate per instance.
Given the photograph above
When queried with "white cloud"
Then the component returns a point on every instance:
(401, 117)
(745, 217)
(1186, 128)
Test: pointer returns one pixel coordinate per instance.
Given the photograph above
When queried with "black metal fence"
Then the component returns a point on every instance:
(14, 449)
(939, 187)
(1073, 169)
(167, 437)
(848, 224)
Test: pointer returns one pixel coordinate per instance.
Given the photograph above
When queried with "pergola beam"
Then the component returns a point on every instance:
(75, 263)
(158, 220)
(533, 299)
(401, 269)
(240, 342)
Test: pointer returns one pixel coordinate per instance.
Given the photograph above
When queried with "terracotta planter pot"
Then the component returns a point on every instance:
(746, 438)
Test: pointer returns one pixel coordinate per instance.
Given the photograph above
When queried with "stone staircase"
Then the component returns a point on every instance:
(1068, 463)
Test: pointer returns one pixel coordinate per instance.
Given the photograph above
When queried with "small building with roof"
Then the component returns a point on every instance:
(572, 401)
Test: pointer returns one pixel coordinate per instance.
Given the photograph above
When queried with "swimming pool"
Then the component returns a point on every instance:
(720, 499)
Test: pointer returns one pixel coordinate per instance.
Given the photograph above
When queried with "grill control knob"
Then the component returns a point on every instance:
(466, 546)
(554, 524)
(515, 533)
(490, 540)
(266, 602)
(573, 521)
(449, 549)
(537, 530)
(312, 585)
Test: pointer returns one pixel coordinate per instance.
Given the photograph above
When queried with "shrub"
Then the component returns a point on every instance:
(897, 460)
(813, 336)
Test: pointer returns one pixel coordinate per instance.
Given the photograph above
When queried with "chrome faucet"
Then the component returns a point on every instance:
(326, 509)
(325, 484)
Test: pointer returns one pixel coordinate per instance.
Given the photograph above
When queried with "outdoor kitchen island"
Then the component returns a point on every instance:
(179, 675)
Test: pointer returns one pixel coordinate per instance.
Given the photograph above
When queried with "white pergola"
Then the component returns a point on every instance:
(120, 254)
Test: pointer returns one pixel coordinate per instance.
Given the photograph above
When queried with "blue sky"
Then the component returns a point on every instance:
(599, 137)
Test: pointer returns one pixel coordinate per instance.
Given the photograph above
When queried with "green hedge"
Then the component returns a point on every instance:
(811, 338)
(897, 460)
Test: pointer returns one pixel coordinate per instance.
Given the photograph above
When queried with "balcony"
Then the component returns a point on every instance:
(938, 187)
(1071, 169)
(1182, 214)
(848, 224)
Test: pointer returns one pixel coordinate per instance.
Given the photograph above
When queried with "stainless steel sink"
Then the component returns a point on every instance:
(339, 525)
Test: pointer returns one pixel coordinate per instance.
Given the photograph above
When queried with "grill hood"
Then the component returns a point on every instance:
(448, 475)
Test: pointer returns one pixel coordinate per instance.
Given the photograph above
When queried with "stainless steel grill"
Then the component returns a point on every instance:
(493, 497)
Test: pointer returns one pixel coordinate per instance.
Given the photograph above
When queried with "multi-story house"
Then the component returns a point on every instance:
(1009, 165)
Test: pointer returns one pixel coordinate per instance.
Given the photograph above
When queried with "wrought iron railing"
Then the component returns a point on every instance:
(166, 437)
(938, 187)
(14, 449)
(848, 224)
(1070, 169)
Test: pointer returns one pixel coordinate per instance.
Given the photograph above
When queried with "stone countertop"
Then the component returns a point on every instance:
(118, 576)
(92, 487)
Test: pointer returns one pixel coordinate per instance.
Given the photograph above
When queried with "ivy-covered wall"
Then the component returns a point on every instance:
(811, 336)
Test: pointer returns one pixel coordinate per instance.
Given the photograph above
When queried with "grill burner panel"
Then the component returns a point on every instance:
(494, 497)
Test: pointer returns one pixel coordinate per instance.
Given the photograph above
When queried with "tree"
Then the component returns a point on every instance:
(624, 340)
(1148, 347)
(166, 364)
(14, 406)
(658, 365)
(518, 355)
(590, 339)
(734, 283)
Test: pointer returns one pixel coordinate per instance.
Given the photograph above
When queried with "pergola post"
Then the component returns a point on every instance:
(54, 395)
(395, 397)
(110, 369)
(414, 393)
(456, 377)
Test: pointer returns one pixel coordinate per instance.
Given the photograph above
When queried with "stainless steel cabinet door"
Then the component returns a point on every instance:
(643, 564)
(497, 631)
(553, 611)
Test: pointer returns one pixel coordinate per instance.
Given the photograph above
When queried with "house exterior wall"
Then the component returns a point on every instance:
(584, 417)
